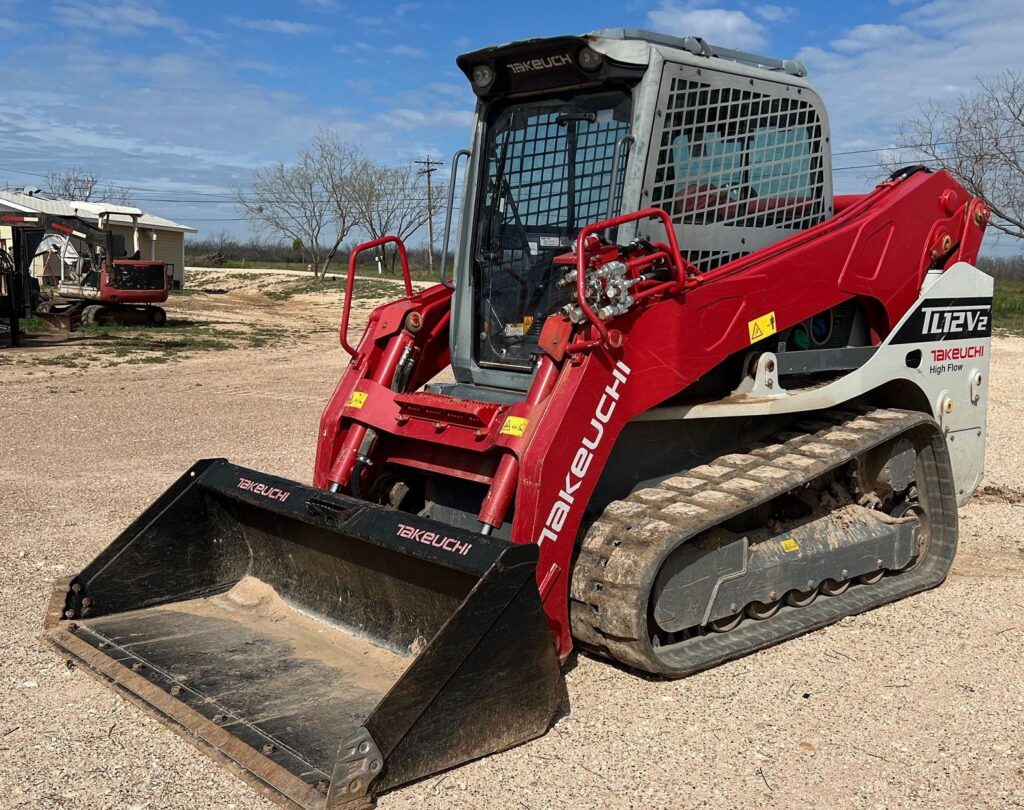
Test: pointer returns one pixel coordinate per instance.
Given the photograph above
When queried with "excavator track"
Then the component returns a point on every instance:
(632, 550)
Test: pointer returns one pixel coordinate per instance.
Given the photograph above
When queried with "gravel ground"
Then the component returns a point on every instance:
(916, 704)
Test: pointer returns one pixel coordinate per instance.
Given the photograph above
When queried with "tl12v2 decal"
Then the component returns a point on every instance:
(947, 319)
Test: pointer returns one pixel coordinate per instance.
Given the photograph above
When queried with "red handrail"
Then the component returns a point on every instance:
(679, 266)
(350, 282)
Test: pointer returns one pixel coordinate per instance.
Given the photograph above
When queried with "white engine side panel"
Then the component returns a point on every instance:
(948, 333)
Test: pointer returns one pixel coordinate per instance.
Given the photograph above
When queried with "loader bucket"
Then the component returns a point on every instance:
(325, 648)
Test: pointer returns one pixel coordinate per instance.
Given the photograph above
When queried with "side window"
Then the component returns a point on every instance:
(711, 161)
(737, 154)
(780, 163)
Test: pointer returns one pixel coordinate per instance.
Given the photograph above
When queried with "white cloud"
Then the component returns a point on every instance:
(286, 27)
(868, 36)
(407, 50)
(349, 49)
(775, 14)
(137, 123)
(119, 18)
(404, 8)
(360, 85)
(407, 118)
(725, 27)
(256, 65)
(876, 76)
(356, 53)
(449, 89)
(7, 12)
(176, 111)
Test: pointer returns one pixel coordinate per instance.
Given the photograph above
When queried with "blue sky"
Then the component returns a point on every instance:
(181, 99)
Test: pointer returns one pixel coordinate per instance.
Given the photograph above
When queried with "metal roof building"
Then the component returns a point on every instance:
(160, 239)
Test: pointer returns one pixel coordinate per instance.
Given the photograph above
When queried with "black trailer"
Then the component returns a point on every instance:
(18, 291)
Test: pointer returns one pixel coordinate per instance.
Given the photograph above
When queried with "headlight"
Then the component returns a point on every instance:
(589, 59)
(483, 77)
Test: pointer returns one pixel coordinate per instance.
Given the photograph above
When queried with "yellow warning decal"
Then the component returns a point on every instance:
(357, 399)
(761, 327)
(790, 545)
(514, 426)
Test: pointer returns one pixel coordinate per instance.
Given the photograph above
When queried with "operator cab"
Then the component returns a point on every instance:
(574, 130)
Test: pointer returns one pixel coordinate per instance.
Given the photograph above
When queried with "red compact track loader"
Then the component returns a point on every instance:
(87, 276)
(678, 403)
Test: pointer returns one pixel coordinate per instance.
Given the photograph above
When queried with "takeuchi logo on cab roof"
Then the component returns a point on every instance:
(540, 63)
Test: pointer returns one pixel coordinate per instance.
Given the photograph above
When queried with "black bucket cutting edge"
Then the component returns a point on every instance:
(324, 648)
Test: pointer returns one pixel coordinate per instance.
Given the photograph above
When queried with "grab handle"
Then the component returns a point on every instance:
(350, 282)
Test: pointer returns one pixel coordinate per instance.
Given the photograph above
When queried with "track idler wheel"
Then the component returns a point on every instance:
(912, 507)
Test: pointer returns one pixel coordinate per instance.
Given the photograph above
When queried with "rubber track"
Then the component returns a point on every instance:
(624, 549)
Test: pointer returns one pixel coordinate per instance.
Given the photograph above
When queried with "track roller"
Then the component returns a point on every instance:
(801, 599)
(763, 610)
(834, 587)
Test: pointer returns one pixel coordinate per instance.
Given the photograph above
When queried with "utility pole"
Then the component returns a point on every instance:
(429, 167)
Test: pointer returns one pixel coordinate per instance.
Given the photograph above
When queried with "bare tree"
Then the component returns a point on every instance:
(84, 186)
(310, 202)
(392, 200)
(980, 141)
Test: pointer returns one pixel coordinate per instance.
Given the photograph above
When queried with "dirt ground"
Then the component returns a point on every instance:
(918, 704)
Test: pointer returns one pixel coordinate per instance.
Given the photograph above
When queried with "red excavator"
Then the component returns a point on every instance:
(680, 402)
(86, 274)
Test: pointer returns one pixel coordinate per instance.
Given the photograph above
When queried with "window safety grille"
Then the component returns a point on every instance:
(731, 158)
(558, 172)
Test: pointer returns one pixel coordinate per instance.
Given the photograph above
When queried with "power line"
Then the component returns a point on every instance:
(226, 198)
(911, 146)
(112, 186)
(430, 165)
